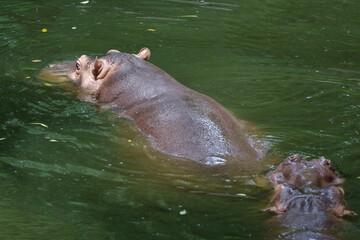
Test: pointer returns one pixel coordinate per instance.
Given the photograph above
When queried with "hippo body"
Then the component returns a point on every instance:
(307, 196)
(178, 121)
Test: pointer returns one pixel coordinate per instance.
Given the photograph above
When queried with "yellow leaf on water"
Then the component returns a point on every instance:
(47, 84)
(36, 60)
(27, 77)
(151, 30)
(44, 30)
(358, 177)
(129, 141)
(53, 140)
(41, 124)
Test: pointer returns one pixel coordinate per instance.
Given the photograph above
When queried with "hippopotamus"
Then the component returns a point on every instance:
(295, 170)
(178, 121)
(307, 196)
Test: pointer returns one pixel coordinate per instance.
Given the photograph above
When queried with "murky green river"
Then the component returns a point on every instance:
(71, 171)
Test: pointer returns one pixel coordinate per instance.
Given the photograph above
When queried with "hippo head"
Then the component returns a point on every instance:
(99, 78)
(309, 200)
(306, 195)
(315, 208)
(88, 72)
(298, 172)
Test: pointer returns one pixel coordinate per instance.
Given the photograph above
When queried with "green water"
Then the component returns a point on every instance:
(289, 67)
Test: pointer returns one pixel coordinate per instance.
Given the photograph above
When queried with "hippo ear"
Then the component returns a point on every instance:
(144, 54)
(350, 213)
(340, 211)
(100, 69)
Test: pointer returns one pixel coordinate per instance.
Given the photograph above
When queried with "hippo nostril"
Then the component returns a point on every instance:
(294, 158)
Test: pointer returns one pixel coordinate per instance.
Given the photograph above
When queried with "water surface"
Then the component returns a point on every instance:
(289, 67)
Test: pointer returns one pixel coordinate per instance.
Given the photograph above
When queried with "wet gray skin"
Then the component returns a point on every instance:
(306, 196)
(300, 173)
(307, 234)
(177, 120)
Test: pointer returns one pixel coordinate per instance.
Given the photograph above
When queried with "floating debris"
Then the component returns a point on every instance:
(84, 2)
(36, 60)
(241, 194)
(129, 141)
(183, 212)
(41, 124)
(151, 30)
(44, 30)
(48, 84)
(189, 16)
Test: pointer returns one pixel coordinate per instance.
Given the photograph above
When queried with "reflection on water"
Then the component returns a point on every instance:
(288, 67)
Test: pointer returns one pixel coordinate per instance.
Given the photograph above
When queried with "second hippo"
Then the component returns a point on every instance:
(307, 197)
(177, 120)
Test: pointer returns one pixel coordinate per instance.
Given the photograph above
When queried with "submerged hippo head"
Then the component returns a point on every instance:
(89, 72)
(306, 195)
(298, 172)
(319, 208)
(117, 76)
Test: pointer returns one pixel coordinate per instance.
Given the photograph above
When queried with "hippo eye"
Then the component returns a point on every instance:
(77, 65)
